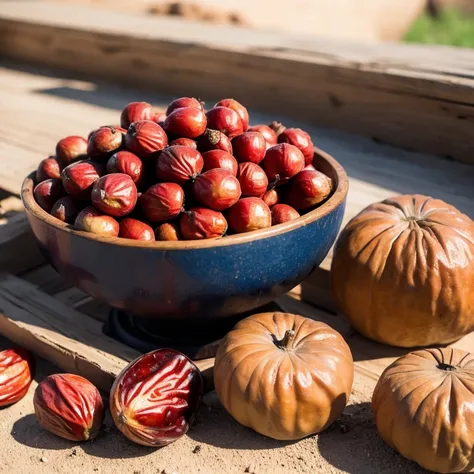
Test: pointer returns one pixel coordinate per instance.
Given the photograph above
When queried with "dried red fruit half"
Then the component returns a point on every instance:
(269, 134)
(282, 162)
(237, 107)
(220, 159)
(114, 194)
(162, 202)
(69, 406)
(301, 140)
(48, 169)
(249, 214)
(214, 140)
(283, 213)
(184, 102)
(184, 142)
(93, 221)
(78, 178)
(217, 189)
(48, 192)
(15, 375)
(128, 163)
(168, 231)
(66, 209)
(104, 142)
(249, 146)
(225, 120)
(154, 400)
(307, 189)
(271, 197)
(253, 180)
(186, 122)
(202, 223)
(71, 149)
(136, 230)
(145, 138)
(135, 112)
(179, 164)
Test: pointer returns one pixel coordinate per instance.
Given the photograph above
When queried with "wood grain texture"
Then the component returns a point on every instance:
(417, 97)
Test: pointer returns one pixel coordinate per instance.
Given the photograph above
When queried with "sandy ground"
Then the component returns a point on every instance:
(216, 444)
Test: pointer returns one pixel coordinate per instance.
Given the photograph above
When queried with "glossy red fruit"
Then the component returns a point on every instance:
(237, 107)
(155, 399)
(162, 202)
(66, 209)
(249, 146)
(220, 159)
(168, 231)
(301, 140)
(277, 127)
(114, 194)
(48, 192)
(159, 117)
(15, 375)
(136, 230)
(72, 148)
(104, 142)
(217, 189)
(214, 140)
(184, 142)
(127, 163)
(309, 167)
(145, 138)
(307, 189)
(271, 197)
(184, 102)
(179, 164)
(69, 406)
(92, 220)
(282, 162)
(135, 112)
(48, 169)
(186, 122)
(225, 120)
(283, 213)
(253, 180)
(78, 178)
(202, 223)
(249, 214)
(269, 135)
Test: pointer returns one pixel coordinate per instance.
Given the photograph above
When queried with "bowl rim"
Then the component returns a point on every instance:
(337, 198)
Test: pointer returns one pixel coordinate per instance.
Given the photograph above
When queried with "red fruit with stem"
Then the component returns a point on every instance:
(155, 399)
(217, 189)
(202, 223)
(145, 138)
(214, 140)
(127, 163)
(237, 107)
(301, 140)
(66, 209)
(283, 213)
(168, 231)
(136, 230)
(184, 102)
(48, 169)
(269, 134)
(220, 159)
(104, 142)
(249, 214)
(282, 162)
(249, 146)
(253, 180)
(184, 142)
(225, 120)
(48, 192)
(114, 194)
(93, 221)
(307, 189)
(15, 375)
(179, 164)
(271, 197)
(186, 122)
(136, 112)
(162, 202)
(78, 178)
(72, 148)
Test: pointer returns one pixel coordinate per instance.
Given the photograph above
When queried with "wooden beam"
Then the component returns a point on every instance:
(419, 97)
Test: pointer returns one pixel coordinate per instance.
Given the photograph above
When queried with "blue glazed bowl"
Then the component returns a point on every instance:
(195, 281)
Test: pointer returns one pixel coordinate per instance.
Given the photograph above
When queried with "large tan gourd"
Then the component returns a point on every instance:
(403, 272)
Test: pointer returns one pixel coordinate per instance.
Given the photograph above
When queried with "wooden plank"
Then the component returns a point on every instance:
(411, 96)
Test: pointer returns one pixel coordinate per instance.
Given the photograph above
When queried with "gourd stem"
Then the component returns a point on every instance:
(447, 367)
(287, 338)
